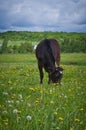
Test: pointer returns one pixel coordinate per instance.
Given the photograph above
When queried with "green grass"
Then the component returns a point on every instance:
(17, 58)
(73, 58)
(27, 105)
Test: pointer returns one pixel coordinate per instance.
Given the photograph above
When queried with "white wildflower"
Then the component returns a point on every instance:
(10, 101)
(10, 105)
(17, 101)
(15, 111)
(4, 112)
(20, 96)
(5, 93)
(65, 96)
(28, 104)
(57, 128)
(57, 109)
(28, 117)
(52, 102)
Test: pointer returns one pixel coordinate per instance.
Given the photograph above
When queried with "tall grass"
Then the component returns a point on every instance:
(27, 105)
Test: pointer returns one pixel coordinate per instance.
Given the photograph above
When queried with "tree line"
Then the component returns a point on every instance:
(69, 42)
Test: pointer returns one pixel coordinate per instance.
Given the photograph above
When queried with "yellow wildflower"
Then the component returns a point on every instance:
(81, 122)
(12, 97)
(61, 118)
(77, 120)
(5, 121)
(71, 128)
(32, 89)
(9, 82)
(37, 101)
(19, 112)
(55, 113)
(2, 85)
(81, 109)
(28, 96)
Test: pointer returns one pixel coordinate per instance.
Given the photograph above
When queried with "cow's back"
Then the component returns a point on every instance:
(48, 48)
(55, 48)
(40, 50)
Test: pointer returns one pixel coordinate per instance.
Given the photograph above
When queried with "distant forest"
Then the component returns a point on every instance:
(24, 42)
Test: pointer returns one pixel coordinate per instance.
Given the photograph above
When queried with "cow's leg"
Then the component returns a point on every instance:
(41, 73)
(49, 81)
(59, 82)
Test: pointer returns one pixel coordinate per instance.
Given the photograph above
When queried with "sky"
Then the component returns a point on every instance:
(43, 15)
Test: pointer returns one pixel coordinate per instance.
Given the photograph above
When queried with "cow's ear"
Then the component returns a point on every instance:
(60, 68)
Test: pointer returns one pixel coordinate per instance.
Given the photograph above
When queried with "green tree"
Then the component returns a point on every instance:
(4, 45)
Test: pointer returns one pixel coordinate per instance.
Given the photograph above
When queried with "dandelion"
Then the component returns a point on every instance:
(19, 112)
(12, 97)
(37, 101)
(28, 104)
(51, 92)
(55, 84)
(11, 88)
(57, 128)
(9, 82)
(28, 96)
(10, 105)
(81, 122)
(71, 128)
(57, 109)
(28, 117)
(81, 109)
(15, 111)
(2, 85)
(52, 102)
(18, 118)
(5, 93)
(20, 96)
(55, 113)
(69, 90)
(27, 74)
(5, 121)
(4, 112)
(61, 118)
(65, 96)
(77, 120)
(10, 101)
(17, 101)
(32, 89)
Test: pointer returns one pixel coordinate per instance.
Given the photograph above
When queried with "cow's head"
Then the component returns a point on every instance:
(57, 75)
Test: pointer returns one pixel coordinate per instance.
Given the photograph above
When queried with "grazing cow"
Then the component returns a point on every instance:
(48, 56)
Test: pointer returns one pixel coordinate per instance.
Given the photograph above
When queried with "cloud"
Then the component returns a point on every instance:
(43, 15)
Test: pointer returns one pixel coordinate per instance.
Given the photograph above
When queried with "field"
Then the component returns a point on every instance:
(27, 105)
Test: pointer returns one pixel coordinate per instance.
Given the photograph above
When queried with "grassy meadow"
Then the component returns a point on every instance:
(27, 105)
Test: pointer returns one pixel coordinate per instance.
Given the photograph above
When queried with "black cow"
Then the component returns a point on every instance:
(48, 56)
